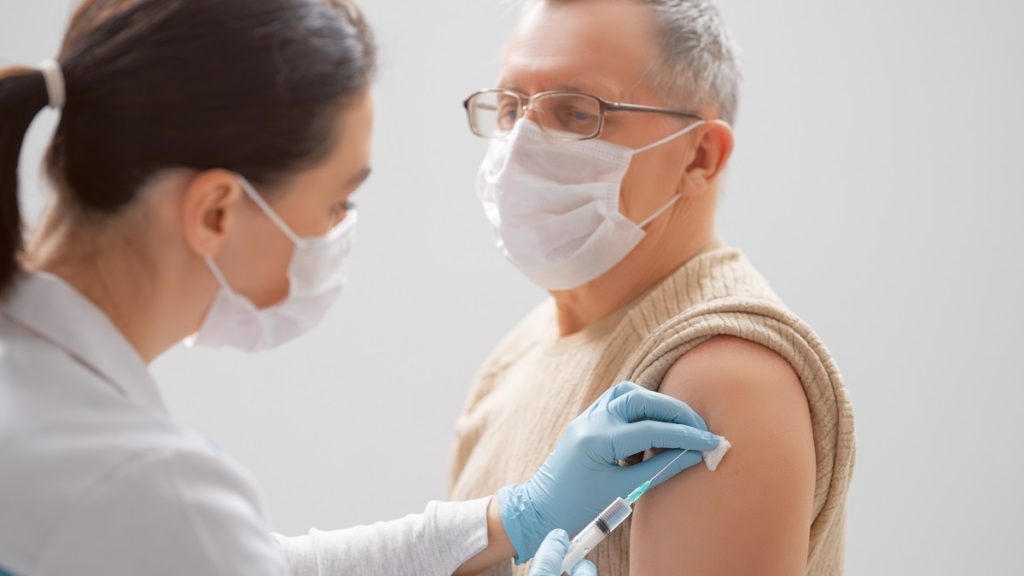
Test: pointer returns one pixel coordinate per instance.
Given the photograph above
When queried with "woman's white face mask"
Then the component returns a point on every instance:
(554, 205)
(316, 275)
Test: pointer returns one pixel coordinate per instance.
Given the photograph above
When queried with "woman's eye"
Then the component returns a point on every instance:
(341, 208)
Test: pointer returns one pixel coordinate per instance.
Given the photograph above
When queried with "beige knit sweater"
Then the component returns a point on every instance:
(535, 382)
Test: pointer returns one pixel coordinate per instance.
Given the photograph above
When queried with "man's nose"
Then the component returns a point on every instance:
(531, 114)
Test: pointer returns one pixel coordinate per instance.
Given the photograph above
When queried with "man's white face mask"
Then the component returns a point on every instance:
(554, 205)
(316, 274)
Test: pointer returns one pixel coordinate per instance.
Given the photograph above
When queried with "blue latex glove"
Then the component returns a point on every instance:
(582, 476)
(551, 554)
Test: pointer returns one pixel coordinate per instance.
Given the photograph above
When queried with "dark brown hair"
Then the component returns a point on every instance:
(250, 86)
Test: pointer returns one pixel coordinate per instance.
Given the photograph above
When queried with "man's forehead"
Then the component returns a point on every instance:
(531, 74)
(560, 43)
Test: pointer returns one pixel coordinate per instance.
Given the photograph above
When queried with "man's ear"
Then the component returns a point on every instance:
(714, 148)
(209, 206)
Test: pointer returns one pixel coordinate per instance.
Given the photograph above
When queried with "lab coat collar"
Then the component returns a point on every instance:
(54, 310)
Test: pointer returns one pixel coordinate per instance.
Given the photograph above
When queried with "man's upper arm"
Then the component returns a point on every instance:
(753, 515)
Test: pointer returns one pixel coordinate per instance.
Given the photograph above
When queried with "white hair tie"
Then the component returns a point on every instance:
(54, 77)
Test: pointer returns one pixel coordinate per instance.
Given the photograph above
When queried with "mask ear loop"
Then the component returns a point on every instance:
(255, 197)
(677, 196)
(660, 211)
(218, 275)
(670, 137)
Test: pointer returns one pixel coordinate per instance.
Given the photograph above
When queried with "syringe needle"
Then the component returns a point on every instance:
(669, 465)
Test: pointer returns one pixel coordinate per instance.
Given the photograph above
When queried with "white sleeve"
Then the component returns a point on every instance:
(193, 512)
(436, 542)
(168, 513)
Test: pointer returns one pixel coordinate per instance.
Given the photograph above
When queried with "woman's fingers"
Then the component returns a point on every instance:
(648, 468)
(630, 439)
(642, 404)
(550, 555)
(584, 568)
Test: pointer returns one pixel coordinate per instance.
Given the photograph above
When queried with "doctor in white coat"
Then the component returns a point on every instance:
(205, 162)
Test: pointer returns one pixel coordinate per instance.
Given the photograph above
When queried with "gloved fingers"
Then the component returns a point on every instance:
(584, 568)
(623, 388)
(629, 439)
(550, 555)
(611, 394)
(642, 404)
(648, 468)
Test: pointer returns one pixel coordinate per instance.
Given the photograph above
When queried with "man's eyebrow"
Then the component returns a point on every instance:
(575, 86)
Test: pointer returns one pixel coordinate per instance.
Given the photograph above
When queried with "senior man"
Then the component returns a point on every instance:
(610, 131)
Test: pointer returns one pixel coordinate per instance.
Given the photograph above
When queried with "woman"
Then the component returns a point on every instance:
(205, 163)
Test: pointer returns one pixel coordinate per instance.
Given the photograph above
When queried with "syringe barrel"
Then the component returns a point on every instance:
(588, 538)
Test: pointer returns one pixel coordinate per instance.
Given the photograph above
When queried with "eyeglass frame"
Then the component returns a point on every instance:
(605, 107)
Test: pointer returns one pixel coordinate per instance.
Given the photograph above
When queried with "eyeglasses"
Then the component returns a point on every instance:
(561, 114)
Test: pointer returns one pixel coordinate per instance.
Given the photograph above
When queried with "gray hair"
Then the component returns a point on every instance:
(699, 59)
(699, 62)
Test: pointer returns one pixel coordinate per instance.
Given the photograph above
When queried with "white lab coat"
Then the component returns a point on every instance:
(96, 478)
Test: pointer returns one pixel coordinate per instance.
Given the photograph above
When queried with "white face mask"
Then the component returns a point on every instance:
(316, 275)
(554, 206)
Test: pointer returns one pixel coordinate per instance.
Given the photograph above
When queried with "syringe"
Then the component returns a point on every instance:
(606, 522)
(617, 512)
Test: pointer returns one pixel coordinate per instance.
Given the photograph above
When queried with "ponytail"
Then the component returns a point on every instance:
(22, 96)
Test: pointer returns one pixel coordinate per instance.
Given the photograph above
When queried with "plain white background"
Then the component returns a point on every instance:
(877, 184)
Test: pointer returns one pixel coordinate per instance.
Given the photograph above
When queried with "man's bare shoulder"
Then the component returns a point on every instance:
(725, 371)
(753, 515)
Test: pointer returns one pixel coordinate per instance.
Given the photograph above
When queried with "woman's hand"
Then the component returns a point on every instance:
(582, 476)
(551, 554)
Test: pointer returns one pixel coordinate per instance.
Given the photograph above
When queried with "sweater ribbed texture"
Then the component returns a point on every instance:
(536, 382)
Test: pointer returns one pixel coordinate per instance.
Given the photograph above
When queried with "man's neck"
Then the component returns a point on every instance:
(648, 265)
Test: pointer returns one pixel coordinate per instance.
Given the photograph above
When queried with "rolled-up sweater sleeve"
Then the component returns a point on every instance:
(437, 542)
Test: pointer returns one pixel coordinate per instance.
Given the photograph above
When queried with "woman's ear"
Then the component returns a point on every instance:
(714, 148)
(209, 207)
